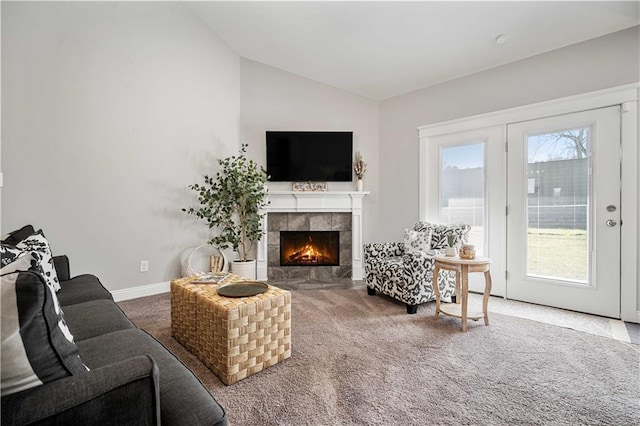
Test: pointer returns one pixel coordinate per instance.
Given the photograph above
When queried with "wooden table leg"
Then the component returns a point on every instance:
(436, 289)
(465, 294)
(485, 298)
(458, 273)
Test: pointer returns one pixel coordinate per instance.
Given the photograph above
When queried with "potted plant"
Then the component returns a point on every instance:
(233, 202)
(452, 250)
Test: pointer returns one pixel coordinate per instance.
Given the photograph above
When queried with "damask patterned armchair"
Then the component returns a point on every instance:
(406, 273)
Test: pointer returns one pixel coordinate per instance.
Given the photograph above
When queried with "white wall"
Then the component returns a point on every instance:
(276, 100)
(592, 65)
(109, 110)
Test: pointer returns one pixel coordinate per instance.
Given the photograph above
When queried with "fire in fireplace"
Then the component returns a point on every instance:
(309, 248)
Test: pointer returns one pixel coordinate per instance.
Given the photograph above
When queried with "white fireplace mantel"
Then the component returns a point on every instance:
(309, 202)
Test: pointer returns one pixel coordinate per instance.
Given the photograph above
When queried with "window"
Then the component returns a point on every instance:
(462, 189)
(558, 204)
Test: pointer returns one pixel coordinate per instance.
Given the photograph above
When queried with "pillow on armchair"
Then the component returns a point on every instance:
(439, 233)
(416, 241)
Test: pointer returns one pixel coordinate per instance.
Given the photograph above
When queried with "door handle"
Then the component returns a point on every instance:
(611, 222)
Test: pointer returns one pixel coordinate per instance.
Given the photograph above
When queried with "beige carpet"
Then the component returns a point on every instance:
(358, 359)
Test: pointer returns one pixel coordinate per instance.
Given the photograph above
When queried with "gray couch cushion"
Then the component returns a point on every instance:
(183, 399)
(122, 393)
(90, 319)
(82, 288)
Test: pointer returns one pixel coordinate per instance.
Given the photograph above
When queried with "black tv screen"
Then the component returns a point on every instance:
(309, 156)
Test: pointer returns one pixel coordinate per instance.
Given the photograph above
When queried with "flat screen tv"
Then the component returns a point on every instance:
(309, 156)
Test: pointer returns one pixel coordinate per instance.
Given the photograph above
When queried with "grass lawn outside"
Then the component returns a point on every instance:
(560, 253)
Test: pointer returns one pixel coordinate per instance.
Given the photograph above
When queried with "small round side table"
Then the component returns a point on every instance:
(462, 267)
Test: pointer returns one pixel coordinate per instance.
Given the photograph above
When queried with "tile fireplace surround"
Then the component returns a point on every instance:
(296, 221)
(312, 211)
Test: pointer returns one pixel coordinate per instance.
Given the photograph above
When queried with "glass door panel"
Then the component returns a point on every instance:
(558, 188)
(463, 181)
(462, 189)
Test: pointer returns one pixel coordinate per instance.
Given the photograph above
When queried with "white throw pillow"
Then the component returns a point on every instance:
(417, 241)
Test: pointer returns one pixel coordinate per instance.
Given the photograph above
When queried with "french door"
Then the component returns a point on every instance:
(563, 220)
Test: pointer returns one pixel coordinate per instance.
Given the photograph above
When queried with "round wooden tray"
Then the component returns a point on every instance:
(243, 289)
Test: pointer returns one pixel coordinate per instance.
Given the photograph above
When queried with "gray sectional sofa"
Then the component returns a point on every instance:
(133, 379)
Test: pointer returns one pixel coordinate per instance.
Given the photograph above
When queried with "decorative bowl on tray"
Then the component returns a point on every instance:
(243, 289)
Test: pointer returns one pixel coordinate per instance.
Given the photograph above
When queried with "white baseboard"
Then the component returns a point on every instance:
(141, 291)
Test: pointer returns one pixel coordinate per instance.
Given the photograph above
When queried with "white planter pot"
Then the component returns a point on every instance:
(451, 251)
(244, 269)
(359, 185)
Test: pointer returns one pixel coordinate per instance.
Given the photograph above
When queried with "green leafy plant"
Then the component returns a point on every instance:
(452, 240)
(233, 202)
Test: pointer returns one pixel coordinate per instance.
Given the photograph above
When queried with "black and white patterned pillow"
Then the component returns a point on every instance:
(417, 241)
(8, 254)
(38, 243)
(440, 240)
(37, 346)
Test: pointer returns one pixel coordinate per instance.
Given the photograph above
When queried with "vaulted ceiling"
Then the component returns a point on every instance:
(386, 48)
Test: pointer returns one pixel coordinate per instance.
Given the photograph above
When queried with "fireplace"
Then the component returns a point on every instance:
(312, 211)
(309, 248)
(293, 234)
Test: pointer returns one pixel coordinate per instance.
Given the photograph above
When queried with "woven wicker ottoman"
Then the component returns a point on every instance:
(234, 337)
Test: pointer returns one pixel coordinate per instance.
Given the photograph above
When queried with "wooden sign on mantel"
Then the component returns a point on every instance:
(310, 186)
